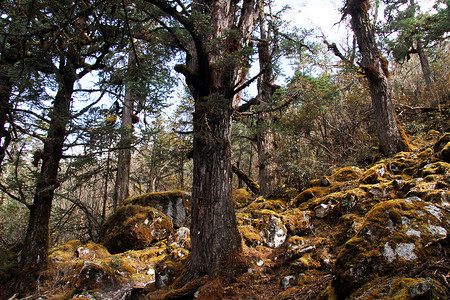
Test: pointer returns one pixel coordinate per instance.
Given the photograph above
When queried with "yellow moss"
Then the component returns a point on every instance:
(250, 235)
(150, 199)
(436, 168)
(375, 174)
(444, 154)
(401, 288)
(313, 192)
(425, 153)
(275, 205)
(241, 197)
(347, 174)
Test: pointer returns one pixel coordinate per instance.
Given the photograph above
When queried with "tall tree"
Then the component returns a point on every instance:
(215, 59)
(78, 45)
(265, 138)
(375, 67)
(121, 187)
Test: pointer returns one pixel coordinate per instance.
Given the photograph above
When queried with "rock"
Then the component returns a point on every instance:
(313, 192)
(274, 232)
(395, 236)
(90, 275)
(135, 227)
(347, 174)
(176, 205)
(445, 153)
(241, 198)
(297, 222)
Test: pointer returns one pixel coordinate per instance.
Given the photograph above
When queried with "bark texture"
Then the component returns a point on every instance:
(376, 70)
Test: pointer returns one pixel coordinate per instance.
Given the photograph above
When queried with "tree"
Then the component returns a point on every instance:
(409, 24)
(216, 57)
(265, 138)
(71, 39)
(375, 67)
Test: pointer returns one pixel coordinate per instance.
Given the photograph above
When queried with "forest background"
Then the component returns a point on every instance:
(116, 137)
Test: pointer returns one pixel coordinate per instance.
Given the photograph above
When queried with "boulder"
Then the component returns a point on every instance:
(135, 227)
(176, 205)
(347, 174)
(395, 236)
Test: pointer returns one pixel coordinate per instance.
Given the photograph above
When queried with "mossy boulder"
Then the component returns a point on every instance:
(375, 174)
(395, 236)
(176, 205)
(241, 198)
(250, 235)
(135, 227)
(347, 174)
(444, 154)
(297, 222)
(313, 192)
(399, 288)
(439, 167)
(90, 275)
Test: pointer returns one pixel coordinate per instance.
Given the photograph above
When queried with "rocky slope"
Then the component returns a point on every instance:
(375, 233)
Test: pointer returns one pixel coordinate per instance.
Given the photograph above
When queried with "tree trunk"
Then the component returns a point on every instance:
(35, 250)
(265, 138)
(424, 63)
(214, 235)
(121, 188)
(5, 92)
(376, 70)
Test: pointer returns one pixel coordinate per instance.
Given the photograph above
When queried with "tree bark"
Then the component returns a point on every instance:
(121, 188)
(424, 63)
(376, 70)
(5, 110)
(265, 137)
(34, 252)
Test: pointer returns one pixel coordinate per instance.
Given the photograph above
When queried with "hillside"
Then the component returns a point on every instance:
(374, 233)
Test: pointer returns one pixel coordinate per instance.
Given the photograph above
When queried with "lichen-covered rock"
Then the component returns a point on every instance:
(90, 275)
(399, 288)
(297, 222)
(250, 235)
(347, 174)
(176, 205)
(273, 232)
(395, 235)
(135, 227)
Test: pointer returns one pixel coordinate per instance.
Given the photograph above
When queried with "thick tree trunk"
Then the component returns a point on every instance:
(34, 252)
(121, 188)
(376, 69)
(214, 233)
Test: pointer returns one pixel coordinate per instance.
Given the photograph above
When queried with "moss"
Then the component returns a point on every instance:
(65, 252)
(250, 236)
(241, 197)
(442, 142)
(275, 205)
(134, 227)
(425, 153)
(308, 194)
(375, 174)
(444, 154)
(416, 288)
(297, 222)
(91, 275)
(395, 234)
(347, 174)
(8, 262)
(436, 168)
